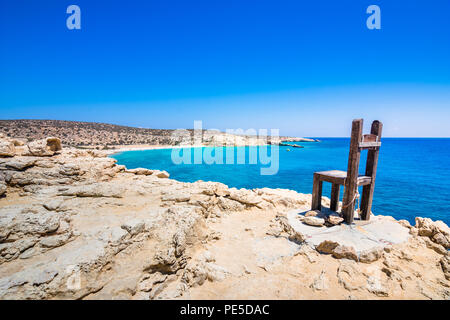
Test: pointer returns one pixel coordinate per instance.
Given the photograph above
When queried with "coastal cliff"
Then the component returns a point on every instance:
(75, 225)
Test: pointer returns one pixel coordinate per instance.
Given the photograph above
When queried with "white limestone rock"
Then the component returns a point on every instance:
(314, 221)
(7, 148)
(43, 148)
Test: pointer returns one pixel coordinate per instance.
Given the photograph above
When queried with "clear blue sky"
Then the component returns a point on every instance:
(305, 67)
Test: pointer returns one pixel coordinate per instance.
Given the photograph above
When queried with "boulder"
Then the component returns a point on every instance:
(334, 219)
(345, 252)
(314, 221)
(437, 231)
(438, 238)
(371, 255)
(140, 171)
(222, 190)
(7, 148)
(425, 226)
(44, 147)
(245, 196)
(435, 246)
(312, 213)
(229, 205)
(327, 246)
(441, 227)
(161, 174)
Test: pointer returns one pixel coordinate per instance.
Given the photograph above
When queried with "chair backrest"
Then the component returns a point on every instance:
(360, 142)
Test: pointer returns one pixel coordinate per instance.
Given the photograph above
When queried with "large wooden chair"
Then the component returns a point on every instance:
(351, 180)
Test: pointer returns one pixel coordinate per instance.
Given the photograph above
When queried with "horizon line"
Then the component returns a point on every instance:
(223, 131)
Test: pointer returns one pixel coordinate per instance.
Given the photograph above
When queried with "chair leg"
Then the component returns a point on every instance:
(366, 201)
(371, 171)
(334, 197)
(316, 194)
(351, 182)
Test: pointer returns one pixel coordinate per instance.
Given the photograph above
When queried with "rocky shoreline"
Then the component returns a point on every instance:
(75, 225)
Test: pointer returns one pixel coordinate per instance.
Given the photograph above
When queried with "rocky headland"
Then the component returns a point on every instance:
(75, 225)
(93, 135)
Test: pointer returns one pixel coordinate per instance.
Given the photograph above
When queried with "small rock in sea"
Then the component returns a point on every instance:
(314, 221)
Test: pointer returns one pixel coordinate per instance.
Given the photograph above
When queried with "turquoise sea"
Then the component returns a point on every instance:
(413, 177)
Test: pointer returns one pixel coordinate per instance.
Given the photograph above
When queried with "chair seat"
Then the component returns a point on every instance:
(339, 176)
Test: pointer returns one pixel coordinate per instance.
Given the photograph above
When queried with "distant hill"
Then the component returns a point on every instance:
(74, 133)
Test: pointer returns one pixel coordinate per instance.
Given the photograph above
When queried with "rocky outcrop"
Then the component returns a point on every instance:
(437, 231)
(314, 221)
(94, 190)
(74, 225)
(27, 230)
(42, 148)
(148, 172)
(7, 148)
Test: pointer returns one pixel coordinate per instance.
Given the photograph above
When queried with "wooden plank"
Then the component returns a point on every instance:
(338, 177)
(369, 144)
(364, 180)
(333, 173)
(334, 197)
(332, 176)
(348, 203)
(371, 170)
(370, 138)
(316, 193)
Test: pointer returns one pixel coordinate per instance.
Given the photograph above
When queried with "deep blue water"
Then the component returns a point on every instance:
(413, 177)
